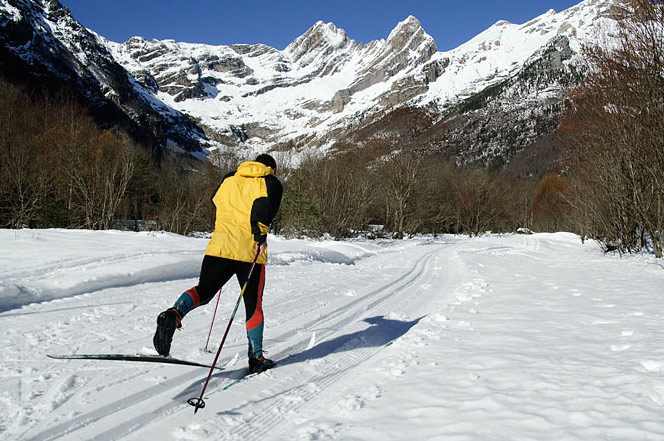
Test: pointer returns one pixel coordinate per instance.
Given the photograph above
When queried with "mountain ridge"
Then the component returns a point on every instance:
(323, 86)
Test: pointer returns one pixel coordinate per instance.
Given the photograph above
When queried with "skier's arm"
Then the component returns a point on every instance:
(265, 209)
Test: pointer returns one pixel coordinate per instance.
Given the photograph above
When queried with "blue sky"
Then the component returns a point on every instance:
(277, 23)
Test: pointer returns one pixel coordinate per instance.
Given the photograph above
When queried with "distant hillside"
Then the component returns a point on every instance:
(496, 99)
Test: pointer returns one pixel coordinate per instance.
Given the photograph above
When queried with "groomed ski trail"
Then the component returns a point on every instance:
(538, 337)
(141, 410)
(268, 411)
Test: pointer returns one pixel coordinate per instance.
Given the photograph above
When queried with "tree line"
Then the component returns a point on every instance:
(616, 173)
(58, 169)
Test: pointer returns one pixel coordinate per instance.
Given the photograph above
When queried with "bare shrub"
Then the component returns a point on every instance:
(96, 166)
(549, 205)
(401, 177)
(483, 202)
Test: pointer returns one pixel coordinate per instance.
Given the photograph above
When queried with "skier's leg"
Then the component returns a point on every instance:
(215, 271)
(253, 305)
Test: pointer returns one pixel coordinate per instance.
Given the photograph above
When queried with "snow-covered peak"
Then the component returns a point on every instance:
(408, 27)
(321, 39)
(323, 78)
(409, 35)
(323, 81)
(328, 31)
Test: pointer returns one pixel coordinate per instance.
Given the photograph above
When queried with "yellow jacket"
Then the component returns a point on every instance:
(246, 202)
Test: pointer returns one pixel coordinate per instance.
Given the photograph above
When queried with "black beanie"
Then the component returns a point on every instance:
(268, 160)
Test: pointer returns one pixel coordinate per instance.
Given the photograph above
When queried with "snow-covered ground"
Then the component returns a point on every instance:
(509, 337)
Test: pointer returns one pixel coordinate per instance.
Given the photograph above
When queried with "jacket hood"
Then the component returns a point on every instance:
(253, 169)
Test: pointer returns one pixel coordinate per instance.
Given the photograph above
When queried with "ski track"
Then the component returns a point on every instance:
(168, 397)
(354, 331)
(84, 263)
(289, 401)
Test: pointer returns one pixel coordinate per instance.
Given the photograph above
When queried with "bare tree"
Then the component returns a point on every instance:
(616, 123)
(400, 176)
(344, 188)
(24, 173)
(549, 205)
(97, 167)
(483, 202)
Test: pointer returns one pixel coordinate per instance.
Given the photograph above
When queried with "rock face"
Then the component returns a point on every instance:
(321, 89)
(43, 45)
(315, 76)
(324, 48)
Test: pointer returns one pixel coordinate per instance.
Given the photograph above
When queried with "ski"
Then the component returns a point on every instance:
(199, 403)
(131, 357)
(245, 377)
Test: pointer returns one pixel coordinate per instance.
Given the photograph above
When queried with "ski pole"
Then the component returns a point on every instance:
(213, 316)
(199, 403)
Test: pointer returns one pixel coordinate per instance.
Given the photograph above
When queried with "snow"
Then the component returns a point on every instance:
(502, 337)
(296, 102)
(13, 12)
(282, 95)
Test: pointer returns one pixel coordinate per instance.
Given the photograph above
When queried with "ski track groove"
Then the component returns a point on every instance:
(334, 321)
(115, 408)
(329, 376)
(332, 315)
(332, 372)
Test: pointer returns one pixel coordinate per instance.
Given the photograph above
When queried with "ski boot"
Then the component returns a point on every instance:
(259, 364)
(167, 322)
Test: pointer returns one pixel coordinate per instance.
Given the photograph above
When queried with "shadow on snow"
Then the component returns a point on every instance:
(381, 333)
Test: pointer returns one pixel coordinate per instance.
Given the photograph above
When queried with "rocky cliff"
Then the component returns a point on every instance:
(487, 100)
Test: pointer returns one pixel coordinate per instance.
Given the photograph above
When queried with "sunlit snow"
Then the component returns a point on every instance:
(502, 337)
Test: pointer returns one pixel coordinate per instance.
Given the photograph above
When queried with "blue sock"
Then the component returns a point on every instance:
(255, 337)
(184, 304)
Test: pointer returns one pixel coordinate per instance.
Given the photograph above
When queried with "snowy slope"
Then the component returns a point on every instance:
(320, 89)
(325, 81)
(505, 47)
(45, 48)
(285, 94)
(501, 337)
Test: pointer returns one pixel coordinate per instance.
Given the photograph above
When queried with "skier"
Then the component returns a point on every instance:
(246, 202)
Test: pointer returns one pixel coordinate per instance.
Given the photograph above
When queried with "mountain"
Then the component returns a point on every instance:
(44, 47)
(491, 99)
(274, 96)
